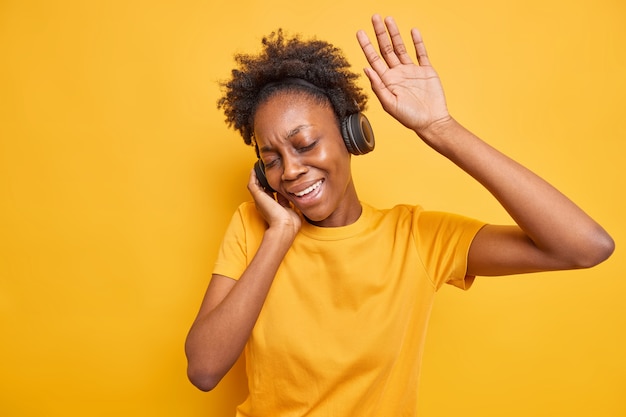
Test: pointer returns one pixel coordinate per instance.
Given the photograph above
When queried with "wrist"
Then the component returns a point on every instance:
(438, 132)
(282, 233)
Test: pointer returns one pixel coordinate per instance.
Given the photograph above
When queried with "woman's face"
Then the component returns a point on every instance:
(306, 159)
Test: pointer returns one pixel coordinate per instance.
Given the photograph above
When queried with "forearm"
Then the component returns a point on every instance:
(555, 224)
(219, 335)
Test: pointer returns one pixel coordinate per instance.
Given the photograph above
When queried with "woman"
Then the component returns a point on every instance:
(328, 296)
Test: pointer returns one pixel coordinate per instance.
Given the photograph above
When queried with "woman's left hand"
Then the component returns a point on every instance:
(410, 92)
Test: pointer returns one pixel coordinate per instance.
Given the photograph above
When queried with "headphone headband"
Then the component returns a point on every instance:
(303, 83)
(294, 81)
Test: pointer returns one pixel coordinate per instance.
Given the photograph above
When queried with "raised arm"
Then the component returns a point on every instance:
(551, 233)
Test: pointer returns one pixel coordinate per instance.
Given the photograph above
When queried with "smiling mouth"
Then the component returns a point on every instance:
(309, 190)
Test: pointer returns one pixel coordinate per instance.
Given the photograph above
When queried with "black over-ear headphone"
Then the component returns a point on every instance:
(356, 131)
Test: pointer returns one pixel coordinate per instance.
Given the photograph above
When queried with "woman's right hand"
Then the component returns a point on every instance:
(278, 212)
(231, 307)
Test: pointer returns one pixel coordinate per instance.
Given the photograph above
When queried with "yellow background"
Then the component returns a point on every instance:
(118, 175)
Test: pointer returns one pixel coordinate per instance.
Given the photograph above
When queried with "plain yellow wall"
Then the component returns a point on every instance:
(118, 175)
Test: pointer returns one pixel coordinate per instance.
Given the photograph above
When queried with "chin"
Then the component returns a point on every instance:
(314, 216)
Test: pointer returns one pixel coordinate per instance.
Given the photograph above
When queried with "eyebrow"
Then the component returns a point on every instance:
(289, 135)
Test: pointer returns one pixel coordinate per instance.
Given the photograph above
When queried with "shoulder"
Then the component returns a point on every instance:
(246, 221)
(423, 222)
(248, 214)
(246, 208)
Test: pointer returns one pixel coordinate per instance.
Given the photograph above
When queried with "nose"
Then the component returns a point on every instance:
(292, 167)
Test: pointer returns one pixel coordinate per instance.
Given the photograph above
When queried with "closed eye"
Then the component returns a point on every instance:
(307, 147)
(271, 163)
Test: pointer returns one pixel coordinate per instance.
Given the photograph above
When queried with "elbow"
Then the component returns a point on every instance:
(202, 373)
(598, 249)
(604, 248)
(202, 369)
(202, 380)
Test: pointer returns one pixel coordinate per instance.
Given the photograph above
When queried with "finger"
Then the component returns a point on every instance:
(378, 87)
(371, 54)
(255, 187)
(253, 183)
(282, 200)
(397, 42)
(252, 179)
(385, 46)
(420, 47)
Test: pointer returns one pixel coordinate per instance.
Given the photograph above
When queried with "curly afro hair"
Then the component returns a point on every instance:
(259, 76)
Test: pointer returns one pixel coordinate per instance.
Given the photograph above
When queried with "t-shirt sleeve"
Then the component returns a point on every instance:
(231, 256)
(240, 242)
(443, 242)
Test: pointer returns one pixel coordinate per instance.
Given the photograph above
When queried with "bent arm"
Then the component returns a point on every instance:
(228, 313)
(231, 307)
(552, 232)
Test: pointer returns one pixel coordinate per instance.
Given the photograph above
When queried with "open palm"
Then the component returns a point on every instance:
(411, 92)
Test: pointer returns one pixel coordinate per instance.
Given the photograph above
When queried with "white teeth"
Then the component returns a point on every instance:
(309, 189)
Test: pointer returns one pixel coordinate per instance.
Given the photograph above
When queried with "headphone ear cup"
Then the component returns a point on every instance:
(259, 170)
(357, 134)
